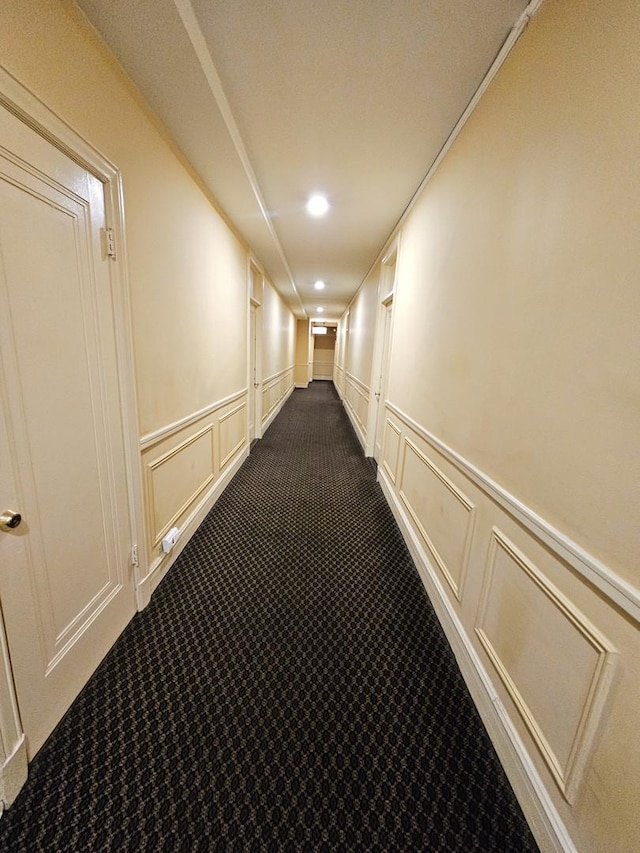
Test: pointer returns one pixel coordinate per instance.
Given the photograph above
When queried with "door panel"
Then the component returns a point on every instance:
(65, 581)
(382, 384)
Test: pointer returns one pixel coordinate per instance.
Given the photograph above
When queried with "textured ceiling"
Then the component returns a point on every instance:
(272, 100)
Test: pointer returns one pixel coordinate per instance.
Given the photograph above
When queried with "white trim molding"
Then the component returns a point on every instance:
(13, 750)
(231, 451)
(352, 383)
(542, 815)
(155, 464)
(158, 435)
(470, 508)
(393, 428)
(567, 774)
(618, 590)
(273, 414)
(278, 374)
(274, 382)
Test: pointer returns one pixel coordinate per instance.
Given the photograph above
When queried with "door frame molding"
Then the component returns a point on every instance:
(18, 100)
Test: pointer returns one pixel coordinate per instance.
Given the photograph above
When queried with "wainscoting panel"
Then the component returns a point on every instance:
(356, 395)
(391, 449)
(275, 391)
(176, 478)
(555, 666)
(185, 463)
(232, 433)
(323, 363)
(301, 374)
(546, 636)
(443, 515)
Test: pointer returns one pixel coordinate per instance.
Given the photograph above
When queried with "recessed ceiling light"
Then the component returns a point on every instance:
(319, 285)
(317, 205)
(320, 310)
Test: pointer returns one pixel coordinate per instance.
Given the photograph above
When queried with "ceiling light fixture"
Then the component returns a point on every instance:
(320, 310)
(319, 285)
(317, 205)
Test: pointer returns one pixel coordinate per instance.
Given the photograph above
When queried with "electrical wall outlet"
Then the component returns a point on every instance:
(170, 539)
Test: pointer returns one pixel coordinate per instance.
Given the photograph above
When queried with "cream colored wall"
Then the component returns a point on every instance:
(301, 372)
(339, 360)
(510, 451)
(279, 333)
(519, 275)
(362, 329)
(358, 356)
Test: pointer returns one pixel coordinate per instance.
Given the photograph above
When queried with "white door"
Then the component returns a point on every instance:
(252, 372)
(66, 584)
(381, 392)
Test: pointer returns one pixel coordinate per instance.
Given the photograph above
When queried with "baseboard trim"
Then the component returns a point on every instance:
(161, 565)
(353, 421)
(546, 824)
(13, 774)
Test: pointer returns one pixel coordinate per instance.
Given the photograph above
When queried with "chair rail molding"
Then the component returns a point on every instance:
(157, 435)
(618, 590)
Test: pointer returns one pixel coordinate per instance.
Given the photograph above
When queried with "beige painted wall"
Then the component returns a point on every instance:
(355, 355)
(301, 374)
(518, 296)
(515, 356)
(278, 353)
(278, 334)
(362, 329)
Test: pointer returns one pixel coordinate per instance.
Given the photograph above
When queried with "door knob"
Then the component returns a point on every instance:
(9, 520)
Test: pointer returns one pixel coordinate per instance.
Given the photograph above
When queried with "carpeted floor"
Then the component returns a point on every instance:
(288, 687)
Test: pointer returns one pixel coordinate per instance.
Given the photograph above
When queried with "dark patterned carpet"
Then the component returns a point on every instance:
(288, 687)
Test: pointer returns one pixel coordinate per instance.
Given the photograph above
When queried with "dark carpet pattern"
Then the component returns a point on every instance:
(288, 687)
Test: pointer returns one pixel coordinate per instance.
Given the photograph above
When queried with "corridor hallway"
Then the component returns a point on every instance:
(287, 688)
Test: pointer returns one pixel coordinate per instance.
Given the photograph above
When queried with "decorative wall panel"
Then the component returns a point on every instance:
(177, 477)
(443, 515)
(232, 433)
(274, 391)
(554, 664)
(357, 398)
(391, 449)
